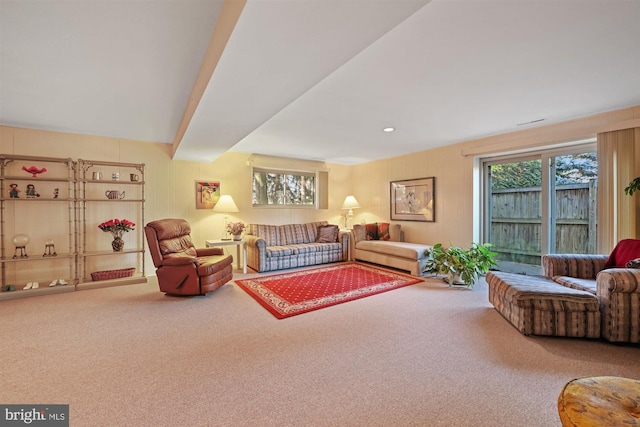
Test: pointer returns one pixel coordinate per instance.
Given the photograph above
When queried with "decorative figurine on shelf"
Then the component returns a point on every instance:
(31, 192)
(13, 191)
(20, 241)
(55, 193)
(49, 249)
(34, 171)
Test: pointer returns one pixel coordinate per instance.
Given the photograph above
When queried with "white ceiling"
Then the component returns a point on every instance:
(316, 79)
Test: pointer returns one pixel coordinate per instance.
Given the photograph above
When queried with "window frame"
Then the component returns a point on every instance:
(279, 171)
(546, 156)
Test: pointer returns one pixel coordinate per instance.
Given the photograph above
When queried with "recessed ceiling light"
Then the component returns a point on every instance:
(389, 129)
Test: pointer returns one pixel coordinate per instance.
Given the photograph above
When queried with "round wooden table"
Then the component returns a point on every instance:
(600, 401)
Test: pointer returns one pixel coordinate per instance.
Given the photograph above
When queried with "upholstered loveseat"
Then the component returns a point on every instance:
(277, 247)
(383, 243)
(607, 277)
(580, 296)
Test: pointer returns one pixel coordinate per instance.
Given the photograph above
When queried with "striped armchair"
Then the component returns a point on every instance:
(617, 290)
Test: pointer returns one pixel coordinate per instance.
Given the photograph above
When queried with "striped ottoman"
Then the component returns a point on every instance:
(538, 306)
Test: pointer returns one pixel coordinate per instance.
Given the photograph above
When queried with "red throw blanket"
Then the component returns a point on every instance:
(625, 251)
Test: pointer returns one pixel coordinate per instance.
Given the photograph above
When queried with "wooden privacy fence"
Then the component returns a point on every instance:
(516, 221)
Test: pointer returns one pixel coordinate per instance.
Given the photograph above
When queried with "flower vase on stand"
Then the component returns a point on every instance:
(117, 227)
(117, 244)
(235, 229)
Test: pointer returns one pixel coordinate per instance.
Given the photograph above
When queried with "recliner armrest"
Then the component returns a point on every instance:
(179, 261)
(209, 251)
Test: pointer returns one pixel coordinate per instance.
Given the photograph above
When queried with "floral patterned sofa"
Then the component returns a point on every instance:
(277, 247)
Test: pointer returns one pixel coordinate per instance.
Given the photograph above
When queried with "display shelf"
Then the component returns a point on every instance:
(52, 220)
(44, 289)
(35, 199)
(37, 258)
(95, 206)
(115, 200)
(97, 284)
(111, 181)
(107, 253)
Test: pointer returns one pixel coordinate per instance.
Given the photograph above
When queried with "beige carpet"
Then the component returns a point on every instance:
(423, 355)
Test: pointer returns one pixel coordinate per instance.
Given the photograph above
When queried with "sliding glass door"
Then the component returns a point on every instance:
(573, 216)
(540, 203)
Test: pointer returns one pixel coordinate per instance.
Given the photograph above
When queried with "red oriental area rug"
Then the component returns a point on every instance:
(289, 294)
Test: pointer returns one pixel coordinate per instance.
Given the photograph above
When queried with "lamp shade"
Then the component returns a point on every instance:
(226, 205)
(350, 202)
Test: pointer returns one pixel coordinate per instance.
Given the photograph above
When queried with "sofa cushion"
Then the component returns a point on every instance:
(383, 231)
(293, 234)
(625, 251)
(308, 248)
(588, 285)
(278, 251)
(413, 251)
(371, 231)
(269, 233)
(395, 231)
(359, 233)
(327, 234)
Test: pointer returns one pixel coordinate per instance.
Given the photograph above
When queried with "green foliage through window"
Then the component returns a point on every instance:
(279, 188)
(523, 174)
(570, 169)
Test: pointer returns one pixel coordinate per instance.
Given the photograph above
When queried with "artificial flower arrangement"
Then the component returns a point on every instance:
(235, 227)
(117, 226)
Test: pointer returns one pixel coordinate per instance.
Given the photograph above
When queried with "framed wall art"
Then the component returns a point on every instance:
(207, 194)
(413, 200)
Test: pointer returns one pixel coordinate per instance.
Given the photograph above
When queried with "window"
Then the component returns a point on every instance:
(283, 188)
(541, 203)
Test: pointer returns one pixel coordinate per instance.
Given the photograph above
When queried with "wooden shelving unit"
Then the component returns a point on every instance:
(65, 206)
(95, 180)
(51, 202)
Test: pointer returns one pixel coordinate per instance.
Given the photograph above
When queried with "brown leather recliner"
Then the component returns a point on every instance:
(181, 268)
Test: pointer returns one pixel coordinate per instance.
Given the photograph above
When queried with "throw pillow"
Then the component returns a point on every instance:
(634, 263)
(359, 233)
(327, 234)
(383, 231)
(625, 251)
(372, 231)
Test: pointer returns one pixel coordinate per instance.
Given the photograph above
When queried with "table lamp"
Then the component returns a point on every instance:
(350, 203)
(225, 205)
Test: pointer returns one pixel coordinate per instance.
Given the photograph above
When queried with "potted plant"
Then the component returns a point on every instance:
(236, 229)
(460, 266)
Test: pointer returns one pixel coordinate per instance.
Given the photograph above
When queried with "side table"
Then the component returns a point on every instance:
(238, 244)
(349, 231)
